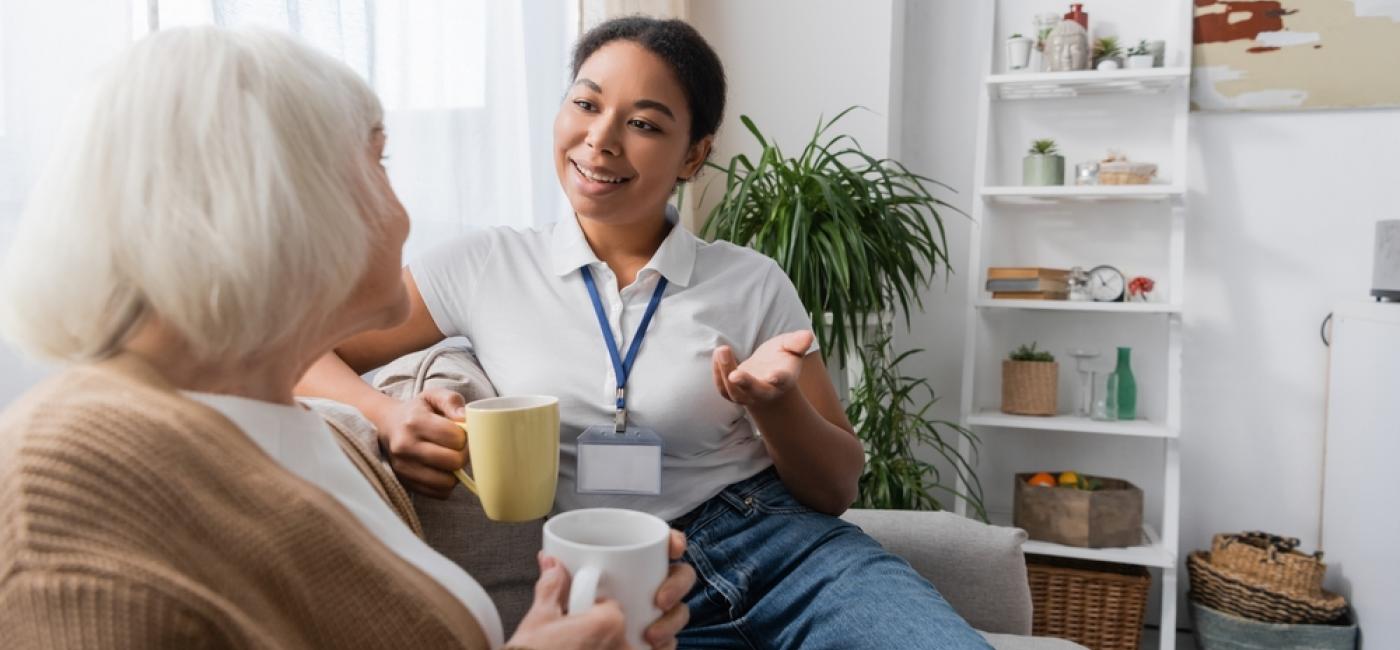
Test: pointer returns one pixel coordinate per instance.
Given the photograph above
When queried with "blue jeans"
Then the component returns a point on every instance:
(776, 574)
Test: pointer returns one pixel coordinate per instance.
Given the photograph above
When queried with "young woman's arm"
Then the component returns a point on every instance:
(794, 405)
(424, 444)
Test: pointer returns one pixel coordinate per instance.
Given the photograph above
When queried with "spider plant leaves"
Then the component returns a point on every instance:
(859, 236)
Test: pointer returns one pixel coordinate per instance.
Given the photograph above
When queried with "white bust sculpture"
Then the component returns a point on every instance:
(1067, 48)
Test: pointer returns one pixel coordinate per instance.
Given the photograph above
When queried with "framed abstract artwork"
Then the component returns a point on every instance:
(1270, 55)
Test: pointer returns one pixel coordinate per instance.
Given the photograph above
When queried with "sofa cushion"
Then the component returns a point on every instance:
(500, 556)
(978, 568)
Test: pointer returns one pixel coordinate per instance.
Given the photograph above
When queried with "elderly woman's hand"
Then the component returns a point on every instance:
(424, 443)
(546, 626)
(602, 626)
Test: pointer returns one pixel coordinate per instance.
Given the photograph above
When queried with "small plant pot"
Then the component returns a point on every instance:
(1040, 170)
(1029, 387)
(1018, 53)
(1140, 61)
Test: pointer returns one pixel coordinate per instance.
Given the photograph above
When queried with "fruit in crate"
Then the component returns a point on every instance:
(1068, 479)
(1085, 511)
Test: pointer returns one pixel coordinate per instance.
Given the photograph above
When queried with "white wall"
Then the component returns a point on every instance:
(790, 62)
(1281, 214)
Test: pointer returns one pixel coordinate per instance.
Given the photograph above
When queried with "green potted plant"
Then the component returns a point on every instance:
(1107, 48)
(1029, 382)
(1140, 57)
(1043, 164)
(892, 422)
(858, 235)
(1018, 52)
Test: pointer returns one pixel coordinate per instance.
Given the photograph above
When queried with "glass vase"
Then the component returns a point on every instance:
(1106, 399)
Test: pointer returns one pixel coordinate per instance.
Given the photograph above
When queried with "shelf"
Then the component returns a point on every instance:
(1071, 423)
(1065, 193)
(1074, 305)
(1151, 553)
(1055, 85)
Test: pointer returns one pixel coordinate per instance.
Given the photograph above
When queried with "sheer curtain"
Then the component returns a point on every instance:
(48, 50)
(469, 87)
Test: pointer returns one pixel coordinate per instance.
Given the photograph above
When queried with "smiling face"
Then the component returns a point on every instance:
(622, 136)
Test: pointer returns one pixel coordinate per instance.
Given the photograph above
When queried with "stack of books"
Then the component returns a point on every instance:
(1019, 283)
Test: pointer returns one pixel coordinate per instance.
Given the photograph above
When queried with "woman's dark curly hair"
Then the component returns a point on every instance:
(696, 65)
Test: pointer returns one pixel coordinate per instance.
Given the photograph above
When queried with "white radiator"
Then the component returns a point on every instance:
(1361, 484)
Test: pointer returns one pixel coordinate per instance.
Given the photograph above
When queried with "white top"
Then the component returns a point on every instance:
(519, 297)
(304, 444)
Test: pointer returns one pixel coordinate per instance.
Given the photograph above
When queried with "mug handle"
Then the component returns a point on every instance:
(461, 472)
(584, 592)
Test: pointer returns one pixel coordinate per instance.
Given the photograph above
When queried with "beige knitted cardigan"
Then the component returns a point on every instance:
(132, 517)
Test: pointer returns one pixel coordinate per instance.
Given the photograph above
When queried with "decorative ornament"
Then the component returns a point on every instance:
(1068, 48)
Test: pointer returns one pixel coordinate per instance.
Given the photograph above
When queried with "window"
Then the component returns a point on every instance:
(469, 87)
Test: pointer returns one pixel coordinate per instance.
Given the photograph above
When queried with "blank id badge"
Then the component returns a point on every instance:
(619, 463)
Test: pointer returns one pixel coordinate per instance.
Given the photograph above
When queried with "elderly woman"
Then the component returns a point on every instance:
(218, 220)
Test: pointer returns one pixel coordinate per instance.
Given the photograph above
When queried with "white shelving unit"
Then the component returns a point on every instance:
(1054, 85)
(1070, 193)
(1139, 229)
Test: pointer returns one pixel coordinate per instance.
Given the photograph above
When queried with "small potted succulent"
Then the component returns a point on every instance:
(1029, 382)
(1139, 57)
(1043, 164)
(1107, 53)
(1018, 52)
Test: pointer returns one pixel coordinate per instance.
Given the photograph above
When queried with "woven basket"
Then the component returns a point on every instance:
(1220, 588)
(1029, 387)
(1264, 559)
(1095, 604)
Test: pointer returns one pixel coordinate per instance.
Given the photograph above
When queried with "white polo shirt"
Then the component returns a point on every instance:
(520, 299)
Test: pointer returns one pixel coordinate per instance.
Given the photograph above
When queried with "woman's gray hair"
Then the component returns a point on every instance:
(218, 179)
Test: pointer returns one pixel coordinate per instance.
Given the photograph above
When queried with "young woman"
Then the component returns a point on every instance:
(756, 455)
(188, 251)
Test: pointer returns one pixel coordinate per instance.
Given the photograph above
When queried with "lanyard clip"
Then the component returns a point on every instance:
(620, 416)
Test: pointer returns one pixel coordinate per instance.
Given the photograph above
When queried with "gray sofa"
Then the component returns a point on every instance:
(979, 569)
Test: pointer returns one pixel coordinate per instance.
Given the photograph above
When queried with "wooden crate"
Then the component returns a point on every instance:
(1110, 517)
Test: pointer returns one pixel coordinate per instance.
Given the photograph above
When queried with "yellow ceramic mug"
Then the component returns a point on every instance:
(514, 445)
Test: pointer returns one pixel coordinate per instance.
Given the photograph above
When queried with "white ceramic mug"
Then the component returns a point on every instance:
(612, 553)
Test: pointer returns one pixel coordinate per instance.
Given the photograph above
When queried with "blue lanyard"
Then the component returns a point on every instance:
(621, 367)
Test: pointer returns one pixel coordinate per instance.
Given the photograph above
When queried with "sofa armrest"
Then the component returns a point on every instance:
(979, 569)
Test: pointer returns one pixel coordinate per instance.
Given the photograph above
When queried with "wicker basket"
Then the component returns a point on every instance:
(1029, 387)
(1264, 559)
(1095, 604)
(1220, 588)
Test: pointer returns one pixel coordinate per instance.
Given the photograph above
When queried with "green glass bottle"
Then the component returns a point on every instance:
(1127, 386)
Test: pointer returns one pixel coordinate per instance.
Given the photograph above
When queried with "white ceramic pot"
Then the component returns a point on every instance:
(1108, 64)
(1018, 52)
(1140, 61)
